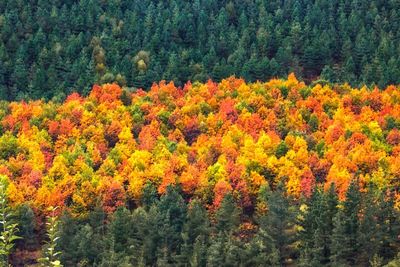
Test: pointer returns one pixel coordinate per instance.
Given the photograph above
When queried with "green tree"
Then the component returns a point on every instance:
(277, 224)
(172, 215)
(119, 229)
(50, 255)
(227, 215)
(345, 237)
(68, 238)
(195, 235)
(316, 223)
(9, 228)
(27, 224)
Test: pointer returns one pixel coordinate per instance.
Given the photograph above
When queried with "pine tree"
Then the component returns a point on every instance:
(316, 227)
(27, 225)
(345, 243)
(277, 224)
(388, 226)
(172, 214)
(120, 229)
(328, 74)
(195, 235)
(368, 234)
(111, 258)
(227, 216)
(215, 252)
(149, 195)
(67, 244)
(199, 252)
(261, 250)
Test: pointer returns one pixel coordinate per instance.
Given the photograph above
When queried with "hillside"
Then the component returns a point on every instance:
(246, 155)
(199, 133)
(53, 48)
(251, 165)
(209, 138)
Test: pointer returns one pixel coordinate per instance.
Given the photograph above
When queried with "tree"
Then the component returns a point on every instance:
(316, 227)
(345, 243)
(119, 229)
(276, 225)
(68, 237)
(224, 251)
(227, 216)
(195, 235)
(387, 224)
(172, 214)
(9, 228)
(114, 259)
(27, 224)
(262, 249)
(20, 74)
(50, 253)
(328, 74)
(149, 196)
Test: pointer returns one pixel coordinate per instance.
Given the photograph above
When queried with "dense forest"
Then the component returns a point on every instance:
(212, 174)
(200, 133)
(52, 48)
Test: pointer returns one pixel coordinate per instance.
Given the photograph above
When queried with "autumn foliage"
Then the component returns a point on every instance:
(210, 138)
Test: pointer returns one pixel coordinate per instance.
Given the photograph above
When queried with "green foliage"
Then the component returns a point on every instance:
(276, 227)
(149, 196)
(359, 231)
(320, 149)
(346, 225)
(195, 235)
(68, 242)
(281, 150)
(50, 254)
(44, 53)
(9, 228)
(8, 146)
(316, 223)
(27, 224)
(227, 215)
(313, 123)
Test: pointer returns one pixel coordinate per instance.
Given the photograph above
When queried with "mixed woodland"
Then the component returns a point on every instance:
(200, 133)
(211, 174)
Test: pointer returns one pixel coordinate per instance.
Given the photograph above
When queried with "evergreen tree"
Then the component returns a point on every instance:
(195, 235)
(345, 238)
(68, 236)
(172, 210)
(149, 195)
(317, 226)
(119, 229)
(27, 224)
(227, 215)
(388, 225)
(277, 224)
(46, 54)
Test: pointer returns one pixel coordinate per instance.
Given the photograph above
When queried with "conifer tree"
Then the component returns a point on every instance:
(277, 224)
(316, 227)
(345, 238)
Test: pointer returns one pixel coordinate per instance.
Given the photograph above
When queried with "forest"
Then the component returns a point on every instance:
(199, 133)
(275, 173)
(49, 49)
